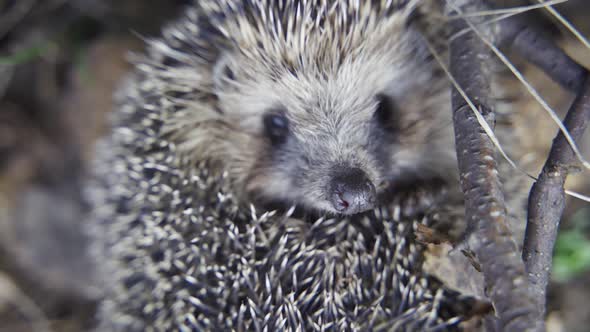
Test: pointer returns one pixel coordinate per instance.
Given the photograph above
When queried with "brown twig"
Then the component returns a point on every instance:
(489, 237)
(547, 198)
(521, 35)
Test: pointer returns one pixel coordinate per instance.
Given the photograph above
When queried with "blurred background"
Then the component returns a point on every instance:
(61, 60)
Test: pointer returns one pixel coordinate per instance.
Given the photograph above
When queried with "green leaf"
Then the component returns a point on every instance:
(572, 255)
(25, 55)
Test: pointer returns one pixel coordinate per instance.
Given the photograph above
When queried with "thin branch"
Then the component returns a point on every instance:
(547, 198)
(531, 90)
(489, 238)
(568, 25)
(521, 36)
(509, 11)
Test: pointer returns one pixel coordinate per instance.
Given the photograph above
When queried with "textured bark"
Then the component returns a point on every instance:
(488, 234)
(520, 35)
(547, 198)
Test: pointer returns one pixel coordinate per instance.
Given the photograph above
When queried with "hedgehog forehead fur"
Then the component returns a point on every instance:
(322, 64)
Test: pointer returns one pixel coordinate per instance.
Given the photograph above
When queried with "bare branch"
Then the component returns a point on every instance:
(547, 198)
(520, 35)
(489, 237)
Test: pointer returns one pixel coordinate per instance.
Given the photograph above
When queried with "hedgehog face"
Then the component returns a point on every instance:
(335, 140)
(326, 117)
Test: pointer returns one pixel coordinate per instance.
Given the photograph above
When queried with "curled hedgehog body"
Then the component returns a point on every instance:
(270, 163)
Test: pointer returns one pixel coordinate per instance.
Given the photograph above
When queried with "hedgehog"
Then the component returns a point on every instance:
(269, 166)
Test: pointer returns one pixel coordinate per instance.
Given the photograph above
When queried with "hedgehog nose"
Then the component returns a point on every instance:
(352, 192)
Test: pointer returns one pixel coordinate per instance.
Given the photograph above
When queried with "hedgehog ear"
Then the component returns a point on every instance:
(222, 73)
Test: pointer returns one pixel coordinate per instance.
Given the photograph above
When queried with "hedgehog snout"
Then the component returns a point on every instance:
(351, 191)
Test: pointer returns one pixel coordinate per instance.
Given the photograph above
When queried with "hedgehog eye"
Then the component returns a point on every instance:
(276, 126)
(228, 73)
(385, 113)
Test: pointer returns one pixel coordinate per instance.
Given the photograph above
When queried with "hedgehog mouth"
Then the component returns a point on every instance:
(306, 213)
(413, 195)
